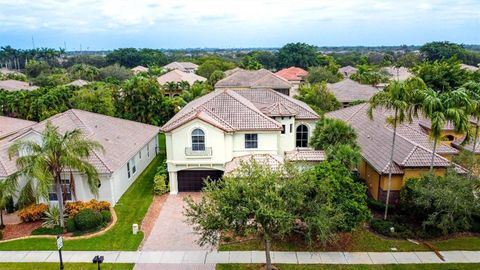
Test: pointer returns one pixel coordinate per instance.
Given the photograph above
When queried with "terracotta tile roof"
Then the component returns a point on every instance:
(273, 161)
(308, 155)
(182, 66)
(10, 125)
(120, 138)
(292, 74)
(279, 109)
(347, 71)
(469, 67)
(374, 138)
(139, 69)
(78, 83)
(348, 90)
(400, 73)
(179, 76)
(261, 78)
(14, 85)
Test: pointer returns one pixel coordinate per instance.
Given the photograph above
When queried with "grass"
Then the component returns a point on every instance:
(364, 240)
(353, 267)
(130, 209)
(69, 266)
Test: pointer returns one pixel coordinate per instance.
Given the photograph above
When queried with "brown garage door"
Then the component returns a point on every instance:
(192, 180)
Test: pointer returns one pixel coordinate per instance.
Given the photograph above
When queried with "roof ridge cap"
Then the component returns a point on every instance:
(355, 113)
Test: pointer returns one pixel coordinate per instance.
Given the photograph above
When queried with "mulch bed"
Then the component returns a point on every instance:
(20, 230)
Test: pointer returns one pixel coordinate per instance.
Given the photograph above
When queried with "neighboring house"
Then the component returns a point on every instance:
(469, 67)
(128, 148)
(398, 73)
(210, 134)
(250, 79)
(187, 67)
(78, 83)
(349, 91)
(177, 76)
(14, 85)
(293, 75)
(347, 71)
(139, 69)
(10, 125)
(412, 155)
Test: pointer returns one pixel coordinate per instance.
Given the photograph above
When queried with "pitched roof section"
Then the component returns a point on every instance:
(139, 69)
(14, 85)
(261, 78)
(279, 109)
(292, 74)
(375, 138)
(182, 66)
(400, 73)
(348, 90)
(10, 125)
(347, 71)
(273, 161)
(307, 155)
(179, 76)
(78, 83)
(469, 67)
(120, 138)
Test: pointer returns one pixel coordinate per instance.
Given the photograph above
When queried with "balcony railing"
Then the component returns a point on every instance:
(198, 153)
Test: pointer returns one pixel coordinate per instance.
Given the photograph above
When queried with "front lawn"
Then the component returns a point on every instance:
(353, 267)
(69, 266)
(363, 240)
(130, 209)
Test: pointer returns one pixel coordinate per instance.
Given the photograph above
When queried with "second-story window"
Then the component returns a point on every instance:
(283, 129)
(198, 140)
(301, 138)
(251, 140)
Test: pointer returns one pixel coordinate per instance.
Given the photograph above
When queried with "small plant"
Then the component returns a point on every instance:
(33, 212)
(106, 216)
(52, 217)
(88, 219)
(48, 231)
(73, 208)
(159, 185)
(70, 225)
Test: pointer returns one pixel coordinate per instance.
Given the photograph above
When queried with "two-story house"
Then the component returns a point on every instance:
(215, 131)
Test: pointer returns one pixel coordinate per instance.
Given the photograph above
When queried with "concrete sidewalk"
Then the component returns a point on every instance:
(212, 258)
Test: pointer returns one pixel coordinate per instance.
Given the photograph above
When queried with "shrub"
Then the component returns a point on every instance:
(73, 208)
(49, 231)
(106, 216)
(10, 205)
(379, 206)
(52, 217)
(70, 225)
(33, 212)
(383, 227)
(159, 186)
(88, 219)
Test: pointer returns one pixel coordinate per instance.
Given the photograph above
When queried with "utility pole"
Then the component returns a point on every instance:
(33, 43)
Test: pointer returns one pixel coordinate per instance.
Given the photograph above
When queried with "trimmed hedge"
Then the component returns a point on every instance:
(88, 219)
(106, 216)
(48, 231)
(70, 225)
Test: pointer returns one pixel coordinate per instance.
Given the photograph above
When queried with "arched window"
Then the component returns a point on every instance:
(301, 136)
(198, 140)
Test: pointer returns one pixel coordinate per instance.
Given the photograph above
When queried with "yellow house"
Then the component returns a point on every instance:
(413, 149)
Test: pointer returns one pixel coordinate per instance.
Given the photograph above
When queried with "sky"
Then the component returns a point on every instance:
(176, 24)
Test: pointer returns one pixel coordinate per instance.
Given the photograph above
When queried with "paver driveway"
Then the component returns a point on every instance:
(170, 231)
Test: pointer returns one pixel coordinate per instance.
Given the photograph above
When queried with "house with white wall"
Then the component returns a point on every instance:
(128, 148)
(212, 132)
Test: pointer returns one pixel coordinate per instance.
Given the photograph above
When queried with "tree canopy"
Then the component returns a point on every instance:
(299, 55)
(132, 57)
(318, 97)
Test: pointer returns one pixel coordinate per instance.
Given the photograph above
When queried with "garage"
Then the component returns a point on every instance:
(192, 180)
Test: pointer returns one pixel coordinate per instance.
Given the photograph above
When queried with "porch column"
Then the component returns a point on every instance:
(173, 182)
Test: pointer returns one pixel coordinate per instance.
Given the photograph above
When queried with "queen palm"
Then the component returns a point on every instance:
(441, 108)
(473, 90)
(404, 99)
(58, 153)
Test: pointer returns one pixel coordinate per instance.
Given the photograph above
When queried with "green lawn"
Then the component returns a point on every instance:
(353, 267)
(68, 266)
(130, 209)
(364, 240)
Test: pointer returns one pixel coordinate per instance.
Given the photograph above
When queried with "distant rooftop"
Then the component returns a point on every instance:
(14, 85)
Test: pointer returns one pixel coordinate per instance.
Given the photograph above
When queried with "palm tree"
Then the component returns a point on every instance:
(473, 90)
(443, 107)
(404, 98)
(45, 162)
(7, 189)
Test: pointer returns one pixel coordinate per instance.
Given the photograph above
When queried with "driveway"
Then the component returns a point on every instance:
(170, 231)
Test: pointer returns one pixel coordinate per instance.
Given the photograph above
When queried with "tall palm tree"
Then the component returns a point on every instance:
(472, 88)
(404, 99)
(7, 189)
(45, 162)
(441, 108)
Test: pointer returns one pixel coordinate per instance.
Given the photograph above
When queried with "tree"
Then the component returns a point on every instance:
(331, 132)
(114, 73)
(35, 68)
(299, 55)
(95, 97)
(212, 64)
(260, 201)
(323, 74)
(46, 161)
(437, 51)
(84, 72)
(404, 98)
(473, 90)
(216, 76)
(131, 57)
(250, 63)
(442, 76)
(7, 191)
(318, 97)
(266, 58)
(197, 90)
(442, 107)
(369, 75)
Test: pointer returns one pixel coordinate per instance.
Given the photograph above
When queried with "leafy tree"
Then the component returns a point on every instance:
(260, 201)
(349, 58)
(437, 51)
(197, 90)
(404, 98)
(331, 132)
(408, 60)
(45, 162)
(299, 55)
(369, 75)
(323, 74)
(35, 68)
(216, 76)
(250, 63)
(84, 72)
(448, 203)
(96, 97)
(347, 155)
(469, 161)
(97, 61)
(213, 64)
(7, 191)
(473, 90)
(114, 73)
(266, 58)
(131, 57)
(442, 76)
(51, 80)
(318, 97)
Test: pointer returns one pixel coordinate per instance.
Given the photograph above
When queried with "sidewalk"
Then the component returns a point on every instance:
(212, 258)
